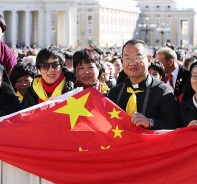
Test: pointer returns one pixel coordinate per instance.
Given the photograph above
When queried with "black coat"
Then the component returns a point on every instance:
(181, 82)
(31, 98)
(161, 107)
(9, 102)
(187, 112)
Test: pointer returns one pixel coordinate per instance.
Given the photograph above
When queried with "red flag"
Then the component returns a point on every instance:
(88, 139)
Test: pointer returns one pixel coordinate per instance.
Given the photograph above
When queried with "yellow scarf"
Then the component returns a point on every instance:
(132, 102)
(19, 95)
(38, 88)
(104, 89)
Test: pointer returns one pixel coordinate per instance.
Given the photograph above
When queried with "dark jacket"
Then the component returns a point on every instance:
(187, 112)
(181, 81)
(161, 107)
(9, 102)
(31, 98)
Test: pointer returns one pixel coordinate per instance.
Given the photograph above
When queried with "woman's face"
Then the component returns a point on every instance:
(87, 74)
(22, 83)
(118, 66)
(155, 73)
(51, 73)
(194, 79)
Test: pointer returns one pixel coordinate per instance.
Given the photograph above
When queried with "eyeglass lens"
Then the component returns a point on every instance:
(46, 65)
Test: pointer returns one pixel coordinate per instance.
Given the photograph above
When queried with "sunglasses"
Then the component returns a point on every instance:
(46, 65)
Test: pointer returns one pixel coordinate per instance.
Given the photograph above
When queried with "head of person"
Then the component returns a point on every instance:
(86, 64)
(193, 71)
(156, 69)
(116, 61)
(168, 58)
(69, 60)
(180, 55)
(188, 62)
(49, 63)
(135, 60)
(31, 52)
(22, 76)
(2, 26)
(104, 72)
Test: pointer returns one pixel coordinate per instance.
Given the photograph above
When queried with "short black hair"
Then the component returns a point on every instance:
(135, 41)
(22, 69)
(47, 52)
(86, 56)
(2, 24)
(157, 66)
(188, 60)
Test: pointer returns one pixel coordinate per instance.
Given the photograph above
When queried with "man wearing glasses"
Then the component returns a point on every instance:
(149, 101)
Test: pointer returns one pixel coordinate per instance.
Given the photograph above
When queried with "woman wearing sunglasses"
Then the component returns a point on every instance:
(52, 82)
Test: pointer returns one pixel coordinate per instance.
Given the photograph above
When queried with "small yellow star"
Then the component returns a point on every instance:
(102, 147)
(114, 114)
(117, 132)
(80, 149)
(75, 108)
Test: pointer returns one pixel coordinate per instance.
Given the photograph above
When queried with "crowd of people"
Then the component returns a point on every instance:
(158, 91)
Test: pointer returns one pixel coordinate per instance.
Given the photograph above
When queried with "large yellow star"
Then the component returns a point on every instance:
(114, 114)
(117, 132)
(75, 108)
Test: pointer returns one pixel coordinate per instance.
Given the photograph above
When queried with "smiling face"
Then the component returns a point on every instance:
(135, 62)
(22, 83)
(87, 74)
(51, 75)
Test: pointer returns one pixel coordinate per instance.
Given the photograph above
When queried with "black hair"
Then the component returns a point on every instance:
(86, 56)
(188, 60)
(47, 52)
(2, 24)
(157, 66)
(135, 41)
(22, 69)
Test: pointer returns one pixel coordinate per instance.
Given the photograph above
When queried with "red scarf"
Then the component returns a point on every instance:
(50, 88)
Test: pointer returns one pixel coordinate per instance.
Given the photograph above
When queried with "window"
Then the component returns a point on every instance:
(146, 6)
(156, 41)
(168, 6)
(157, 6)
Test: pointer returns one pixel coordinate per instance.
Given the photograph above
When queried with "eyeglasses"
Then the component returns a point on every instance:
(136, 59)
(194, 77)
(46, 65)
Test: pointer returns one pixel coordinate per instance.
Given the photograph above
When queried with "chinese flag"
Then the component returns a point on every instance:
(88, 139)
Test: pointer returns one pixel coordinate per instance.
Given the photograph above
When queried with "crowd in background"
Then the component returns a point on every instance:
(30, 76)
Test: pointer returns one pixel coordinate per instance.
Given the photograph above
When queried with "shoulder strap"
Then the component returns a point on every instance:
(146, 95)
(120, 94)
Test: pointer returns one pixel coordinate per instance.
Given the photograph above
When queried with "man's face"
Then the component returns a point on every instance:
(135, 62)
(167, 66)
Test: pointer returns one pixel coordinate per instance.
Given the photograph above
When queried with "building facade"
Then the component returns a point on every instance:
(106, 23)
(103, 23)
(37, 23)
(171, 24)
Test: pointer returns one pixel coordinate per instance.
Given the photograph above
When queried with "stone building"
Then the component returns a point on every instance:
(40, 22)
(166, 23)
(106, 23)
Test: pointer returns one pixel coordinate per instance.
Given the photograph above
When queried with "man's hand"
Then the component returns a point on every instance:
(139, 119)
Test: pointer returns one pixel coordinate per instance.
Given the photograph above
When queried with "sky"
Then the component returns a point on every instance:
(187, 4)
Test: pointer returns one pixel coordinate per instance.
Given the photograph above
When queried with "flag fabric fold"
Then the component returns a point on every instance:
(88, 139)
